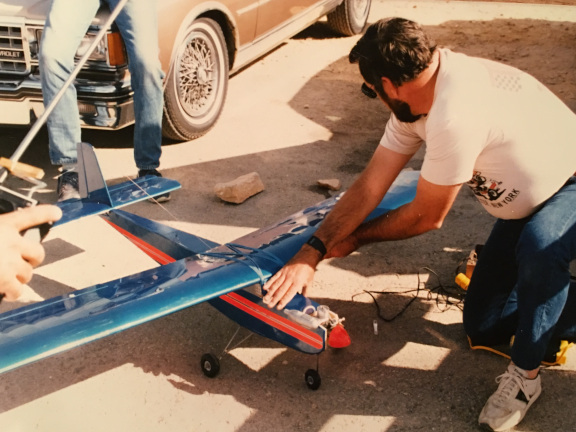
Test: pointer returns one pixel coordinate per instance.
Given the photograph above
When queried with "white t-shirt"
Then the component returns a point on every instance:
(495, 128)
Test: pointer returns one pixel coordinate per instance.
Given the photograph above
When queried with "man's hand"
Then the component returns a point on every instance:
(295, 277)
(19, 255)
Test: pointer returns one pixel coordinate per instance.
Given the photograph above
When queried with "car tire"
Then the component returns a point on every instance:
(196, 83)
(350, 17)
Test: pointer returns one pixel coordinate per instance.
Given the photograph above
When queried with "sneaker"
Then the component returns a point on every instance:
(160, 198)
(509, 404)
(68, 186)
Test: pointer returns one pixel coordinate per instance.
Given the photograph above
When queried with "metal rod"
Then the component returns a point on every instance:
(42, 119)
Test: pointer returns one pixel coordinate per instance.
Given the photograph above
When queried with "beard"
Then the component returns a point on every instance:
(400, 109)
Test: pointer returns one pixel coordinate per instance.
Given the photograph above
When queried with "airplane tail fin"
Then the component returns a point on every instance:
(90, 180)
(97, 197)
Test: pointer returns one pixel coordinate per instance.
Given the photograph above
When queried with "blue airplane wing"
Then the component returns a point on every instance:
(39, 330)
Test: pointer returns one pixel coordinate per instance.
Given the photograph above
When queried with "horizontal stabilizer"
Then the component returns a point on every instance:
(129, 192)
(98, 198)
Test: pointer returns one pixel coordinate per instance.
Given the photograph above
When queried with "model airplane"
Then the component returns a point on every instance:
(192, 270)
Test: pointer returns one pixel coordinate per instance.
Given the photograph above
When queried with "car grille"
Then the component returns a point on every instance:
(13, 55)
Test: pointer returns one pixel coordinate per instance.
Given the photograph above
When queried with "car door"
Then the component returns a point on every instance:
(274, 13)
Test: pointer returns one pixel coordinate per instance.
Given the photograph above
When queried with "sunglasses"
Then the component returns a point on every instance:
(368, 91)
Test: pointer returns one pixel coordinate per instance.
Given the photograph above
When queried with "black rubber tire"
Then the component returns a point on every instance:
(197, 82)
(350, 17)
(210, 365)
(312, 378)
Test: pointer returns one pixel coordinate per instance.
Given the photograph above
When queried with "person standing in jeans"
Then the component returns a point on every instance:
(66, 25)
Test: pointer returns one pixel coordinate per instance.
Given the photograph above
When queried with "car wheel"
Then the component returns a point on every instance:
(197, 82)
(350, 17)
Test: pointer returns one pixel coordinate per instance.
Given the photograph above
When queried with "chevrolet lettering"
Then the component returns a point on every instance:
(11, 54)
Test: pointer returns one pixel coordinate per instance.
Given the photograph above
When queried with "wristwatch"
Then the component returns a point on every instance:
(317, 244)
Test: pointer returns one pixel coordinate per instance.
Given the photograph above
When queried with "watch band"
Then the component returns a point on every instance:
(317, 244)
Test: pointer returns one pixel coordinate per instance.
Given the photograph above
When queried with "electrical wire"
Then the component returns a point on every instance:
(444, 297)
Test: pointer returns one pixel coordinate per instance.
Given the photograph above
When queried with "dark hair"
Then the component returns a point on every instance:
(395, 48)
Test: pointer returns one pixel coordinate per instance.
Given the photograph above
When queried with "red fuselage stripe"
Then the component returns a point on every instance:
(156, 254)
(272, 319)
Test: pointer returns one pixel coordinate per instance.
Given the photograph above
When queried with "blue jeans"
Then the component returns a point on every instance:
(67, 23)
(521, 285)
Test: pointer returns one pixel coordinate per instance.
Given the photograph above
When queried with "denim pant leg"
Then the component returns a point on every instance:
(66, 25)
(546, 311)
(521, 284)
(138, 26)
(490, 312)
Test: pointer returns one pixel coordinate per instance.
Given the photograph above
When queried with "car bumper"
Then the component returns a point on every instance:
(102, 105)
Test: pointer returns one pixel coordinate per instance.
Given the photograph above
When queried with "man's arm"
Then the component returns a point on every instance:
(19, 255)
(343, 232)
(362, 197)
(425, 213)
(348, 213)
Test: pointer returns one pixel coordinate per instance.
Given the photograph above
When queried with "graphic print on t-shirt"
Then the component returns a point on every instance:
(483, 188)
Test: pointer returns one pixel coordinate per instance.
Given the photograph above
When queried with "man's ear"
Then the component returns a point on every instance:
(390, 89)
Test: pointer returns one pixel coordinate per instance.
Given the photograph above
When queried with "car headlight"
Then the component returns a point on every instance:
(33, 35)
(100, 53)
(109, 50)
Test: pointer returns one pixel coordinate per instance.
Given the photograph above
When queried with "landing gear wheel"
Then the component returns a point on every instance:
(313, 379)
(210, 365)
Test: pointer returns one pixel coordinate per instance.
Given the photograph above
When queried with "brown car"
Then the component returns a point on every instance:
(202, 43)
